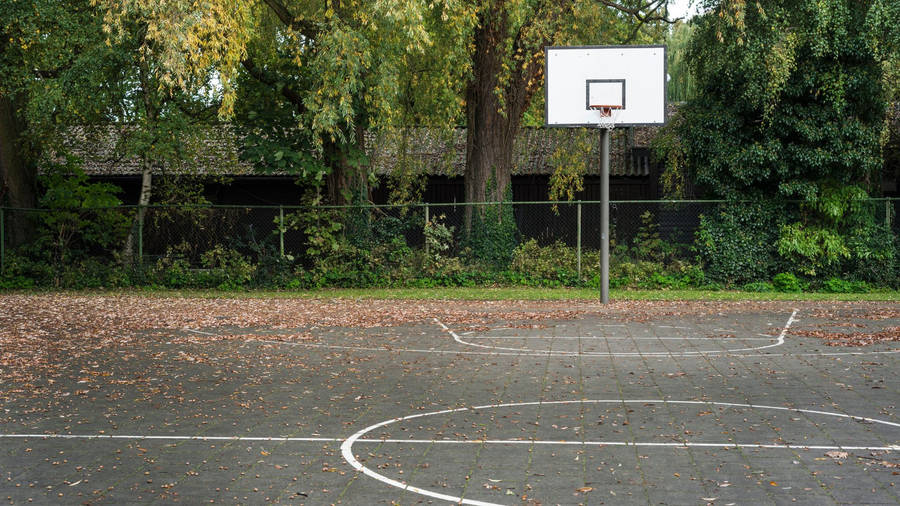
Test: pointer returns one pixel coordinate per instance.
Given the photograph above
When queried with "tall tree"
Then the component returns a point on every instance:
(334, 64)
(156, 120)
(48, 55)
(789, 105)
(508, 66)
(681, 86)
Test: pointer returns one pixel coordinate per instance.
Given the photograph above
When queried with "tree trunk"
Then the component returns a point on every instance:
(489, 132)
(493, 125)
(346, 182)
(151, 112)
(17, 177)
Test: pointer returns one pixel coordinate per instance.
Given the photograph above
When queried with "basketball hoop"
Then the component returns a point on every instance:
(604, 87)
(607, 115)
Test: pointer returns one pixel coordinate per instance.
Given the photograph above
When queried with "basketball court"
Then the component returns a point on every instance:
(481, 403)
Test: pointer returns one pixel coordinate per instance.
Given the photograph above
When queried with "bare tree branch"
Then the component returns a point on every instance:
(269, 79)
(304, 27)
(644, 13)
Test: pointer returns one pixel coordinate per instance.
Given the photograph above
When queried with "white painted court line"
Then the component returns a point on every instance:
(569, 354)
(778, 342)
(616, 338)
(562, 442)
(172, 437)
(347, 446)
(199, 332)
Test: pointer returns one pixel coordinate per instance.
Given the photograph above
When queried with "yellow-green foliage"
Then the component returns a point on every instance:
(569, 161)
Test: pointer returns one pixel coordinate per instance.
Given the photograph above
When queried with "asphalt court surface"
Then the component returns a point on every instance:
(734, 407)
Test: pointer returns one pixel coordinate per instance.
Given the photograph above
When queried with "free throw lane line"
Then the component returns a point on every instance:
(778, 342)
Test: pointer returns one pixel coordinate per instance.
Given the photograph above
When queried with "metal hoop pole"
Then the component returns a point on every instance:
(604, 215)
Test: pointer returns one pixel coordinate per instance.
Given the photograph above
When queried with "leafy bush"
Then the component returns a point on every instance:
(544, 262)
(322, 227)
(786, 282)
(846, 239)
(647, 244)
(25, 268)
(80, 221)
(18, 282)
(494, 234)
(837, 285)
(438, 237)
(679, 275)
(173, 272)
(631, 273)
(875, 251)
(759, 287)
(737, 243)
(227, 268)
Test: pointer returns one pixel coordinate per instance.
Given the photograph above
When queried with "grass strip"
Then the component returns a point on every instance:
(491, 293)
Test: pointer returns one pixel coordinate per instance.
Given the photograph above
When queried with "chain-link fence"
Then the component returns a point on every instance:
(188, 232)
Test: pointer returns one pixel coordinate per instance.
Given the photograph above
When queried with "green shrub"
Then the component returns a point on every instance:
(660, 280)
(632, 273)
(837, 285)
(786, 282)
(227, 268)
(737, 243)
(648, 244)
(174, 273)
(544, 262)
(875, 255)
(25, 268)
(494, 235)
(438, 237)
(17, 282)
(349, 267)
(759, 287)
(94, 273)
(80, 220)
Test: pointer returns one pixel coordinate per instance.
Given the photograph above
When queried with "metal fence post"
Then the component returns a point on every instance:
(427, 218)
(141, 235)
(2, 240)
(887, 213)
(578, 240)
(281, 229)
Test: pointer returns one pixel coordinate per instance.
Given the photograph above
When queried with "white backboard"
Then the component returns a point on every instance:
(578, 77)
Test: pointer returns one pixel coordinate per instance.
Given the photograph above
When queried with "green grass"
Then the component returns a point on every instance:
(512, 293)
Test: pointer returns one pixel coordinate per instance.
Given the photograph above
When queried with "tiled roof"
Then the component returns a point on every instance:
(206, 150)
(215, 150)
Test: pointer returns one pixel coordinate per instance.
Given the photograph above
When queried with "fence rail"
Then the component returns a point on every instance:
(191, 230)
